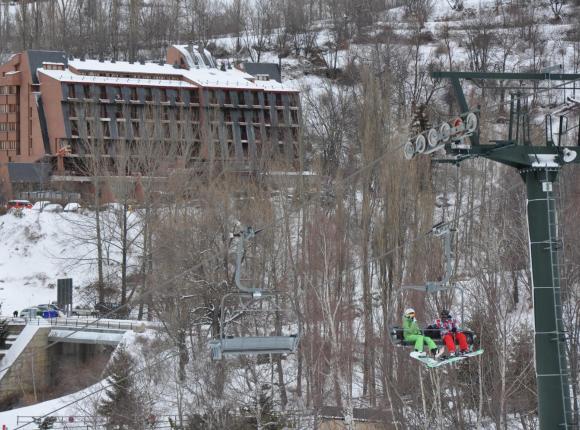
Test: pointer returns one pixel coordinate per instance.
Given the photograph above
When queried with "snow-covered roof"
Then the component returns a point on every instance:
(68, 76)
(232, 78)
(229, 78)
(271, 84)
(203, 76)
(124, 67)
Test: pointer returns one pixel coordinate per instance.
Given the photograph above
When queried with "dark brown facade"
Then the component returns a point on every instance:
(193, 112)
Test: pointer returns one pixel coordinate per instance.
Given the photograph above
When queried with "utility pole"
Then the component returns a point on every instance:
(539, 167)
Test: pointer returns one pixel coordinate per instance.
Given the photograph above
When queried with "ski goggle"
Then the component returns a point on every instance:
(410, 314)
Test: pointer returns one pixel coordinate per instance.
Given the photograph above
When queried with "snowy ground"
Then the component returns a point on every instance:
(31, 250)
(39, 248)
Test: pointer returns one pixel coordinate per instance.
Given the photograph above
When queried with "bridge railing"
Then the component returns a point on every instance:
(91, 323)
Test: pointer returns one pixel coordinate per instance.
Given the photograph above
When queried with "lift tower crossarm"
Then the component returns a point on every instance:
(455, 77)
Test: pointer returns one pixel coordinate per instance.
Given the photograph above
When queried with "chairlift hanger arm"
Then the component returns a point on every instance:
(243, 236)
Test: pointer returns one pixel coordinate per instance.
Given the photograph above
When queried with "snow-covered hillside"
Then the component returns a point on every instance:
(41, 247)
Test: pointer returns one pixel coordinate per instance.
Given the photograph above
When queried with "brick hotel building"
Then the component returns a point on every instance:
(53, 109)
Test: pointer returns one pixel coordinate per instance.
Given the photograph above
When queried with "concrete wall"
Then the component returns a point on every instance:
(29, 369)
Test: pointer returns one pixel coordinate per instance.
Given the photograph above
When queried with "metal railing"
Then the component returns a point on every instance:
(88, 323)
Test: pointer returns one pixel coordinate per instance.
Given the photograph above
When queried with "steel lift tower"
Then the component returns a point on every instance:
(538, 166)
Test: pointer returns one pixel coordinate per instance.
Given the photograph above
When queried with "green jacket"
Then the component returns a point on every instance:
(410, 327)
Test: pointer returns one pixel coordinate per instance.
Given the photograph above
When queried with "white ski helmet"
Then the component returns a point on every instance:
(409, 311)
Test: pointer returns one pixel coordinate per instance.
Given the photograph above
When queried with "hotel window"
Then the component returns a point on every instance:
(294, 115)
(228, 98)
(194, 96)
(195, 115)
(257, 133)
(228, 116)
(134, 96)
(134, 112)
(211, 96)
(166, 131)
(89, 131)
(72, 110)
(278, 99)
(7, 126)
(266, 99)
(148, 95)
(256, 98)
(104, 111)
(163, 95)
(241, 99)
(244, 133)
(136, 130)
(150, 129)
(86, 91)
(256, 116)
(103, 93)
(3, 108)
(74, 128)
(121, 128)
(280, 117)
(106, 129)
(178, 98)
(13, 108)
(119, 112)
(72, 94)
(267, 117)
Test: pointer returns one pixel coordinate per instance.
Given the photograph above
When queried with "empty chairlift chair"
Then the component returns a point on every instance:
(252, 321)
(254, 325)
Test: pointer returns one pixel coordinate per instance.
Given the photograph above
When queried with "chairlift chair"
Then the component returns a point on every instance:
(268, 304)
(251, 301)
(430, 287)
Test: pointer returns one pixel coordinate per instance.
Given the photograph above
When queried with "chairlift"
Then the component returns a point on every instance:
(268, 310)
(434, 287)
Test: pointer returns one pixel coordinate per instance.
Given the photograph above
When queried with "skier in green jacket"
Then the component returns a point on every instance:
(412, 333)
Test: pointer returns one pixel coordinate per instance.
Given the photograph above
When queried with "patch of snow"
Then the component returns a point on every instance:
(544, 160)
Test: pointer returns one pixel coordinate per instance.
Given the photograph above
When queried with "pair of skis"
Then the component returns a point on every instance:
(435, 362)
